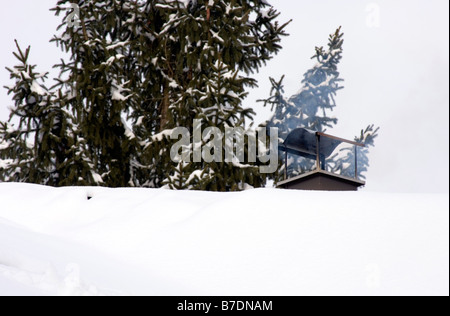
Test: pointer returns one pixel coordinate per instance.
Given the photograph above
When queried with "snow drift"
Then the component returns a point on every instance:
(258, 242)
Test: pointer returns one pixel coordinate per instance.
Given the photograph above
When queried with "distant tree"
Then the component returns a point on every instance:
(310, 108)
(343, 162)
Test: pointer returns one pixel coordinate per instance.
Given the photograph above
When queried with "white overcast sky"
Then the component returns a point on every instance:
(396, 76)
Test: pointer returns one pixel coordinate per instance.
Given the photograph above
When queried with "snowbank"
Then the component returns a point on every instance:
(259, 242)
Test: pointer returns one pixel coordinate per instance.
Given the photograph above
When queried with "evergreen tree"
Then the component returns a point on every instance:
(95, 78)
(137, 70)
(208, 47)
(343, 162)
(42, 148)
(310, 108)
(184, 179)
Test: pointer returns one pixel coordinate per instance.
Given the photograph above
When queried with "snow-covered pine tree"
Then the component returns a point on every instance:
(219, 104)
(184, 179)
(209, 49)
(95, 79)
(310, 108)
(170, 52)
(37, 145)
(343, 162)
(137, 69)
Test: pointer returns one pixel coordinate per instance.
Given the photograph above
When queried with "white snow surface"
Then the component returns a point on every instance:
(258, 242)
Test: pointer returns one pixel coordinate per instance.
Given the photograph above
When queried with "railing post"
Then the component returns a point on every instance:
(286, 163)
(318, 151)
(356, 162)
